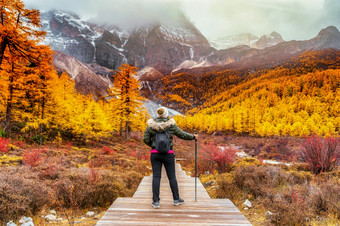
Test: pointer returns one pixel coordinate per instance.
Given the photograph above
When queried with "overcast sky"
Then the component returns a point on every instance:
(293, 19)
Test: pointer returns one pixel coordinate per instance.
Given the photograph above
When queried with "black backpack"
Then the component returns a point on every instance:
(163, 142)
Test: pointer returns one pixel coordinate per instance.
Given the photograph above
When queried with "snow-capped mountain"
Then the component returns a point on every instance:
(248, 39)
(244, 56)
(162, 46)
(67, 33)
(230, 41)
(267, 41)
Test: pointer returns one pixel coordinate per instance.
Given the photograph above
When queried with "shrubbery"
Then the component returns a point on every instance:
(32, 157)
(213, 157)
(4, 144)
(65, 178)
(294, 197)
(322, 155)
(76, 187)
(2, 133)
(21, 193)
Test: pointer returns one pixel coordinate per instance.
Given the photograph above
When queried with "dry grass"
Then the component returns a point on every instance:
(294, 194)
(74, 179)
(69, 179)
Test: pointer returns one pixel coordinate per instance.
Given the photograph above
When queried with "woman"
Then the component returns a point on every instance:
(161, 124)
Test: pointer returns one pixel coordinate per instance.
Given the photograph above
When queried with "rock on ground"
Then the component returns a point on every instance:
(11, 223)
(50, 217)
(247, 203)
(90, 214)
(26, 221)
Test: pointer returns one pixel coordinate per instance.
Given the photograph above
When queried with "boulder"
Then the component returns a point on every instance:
(26, 221)
(269, 215)
(28, 224)
(247, 204)
(11, 223)
(22, 220)
(50, 217)
(90, 214)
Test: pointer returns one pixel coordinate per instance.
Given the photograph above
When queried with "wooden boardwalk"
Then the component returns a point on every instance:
(206, 211)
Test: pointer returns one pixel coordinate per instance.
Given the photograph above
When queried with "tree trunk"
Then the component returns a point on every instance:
(42, 117)
(9, 108)
(121, 128)
(3, 45)
(127, 129)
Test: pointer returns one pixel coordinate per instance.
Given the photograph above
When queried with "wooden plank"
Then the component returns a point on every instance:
(206, 211)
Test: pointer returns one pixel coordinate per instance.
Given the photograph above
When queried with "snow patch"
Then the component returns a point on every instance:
(151, 107)
(178, 33)
(59, 43)
(190, 64)
(115, 47)
(191, 51)
(274, 162)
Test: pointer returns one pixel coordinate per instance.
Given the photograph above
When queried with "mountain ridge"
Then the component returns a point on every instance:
(157, 45)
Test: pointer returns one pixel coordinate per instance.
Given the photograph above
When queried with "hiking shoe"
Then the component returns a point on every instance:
(155, 205)
(178, 202)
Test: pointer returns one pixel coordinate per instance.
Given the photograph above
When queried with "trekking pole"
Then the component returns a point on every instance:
(195, 167)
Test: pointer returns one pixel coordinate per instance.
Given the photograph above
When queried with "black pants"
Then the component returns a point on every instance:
(169, 163)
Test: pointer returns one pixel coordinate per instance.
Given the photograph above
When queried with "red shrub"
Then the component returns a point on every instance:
(223, 158)
(142, 155)
(108, 151)
(214, 157)
(94, 176)
(20, 144)
(320, 154)
(68, 145)
(50, 168)
(131, 153)
(4, 144)
(296, 197)
(96, 162)
(32, 157)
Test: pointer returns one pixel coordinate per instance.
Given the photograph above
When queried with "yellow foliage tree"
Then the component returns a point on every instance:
(126, 102)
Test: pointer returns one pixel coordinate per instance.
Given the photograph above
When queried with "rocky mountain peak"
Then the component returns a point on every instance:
(276, 35)
(230, 41)
(329, 31)
(268, 40)
(86, 80)
(328, 37)
(159, 45)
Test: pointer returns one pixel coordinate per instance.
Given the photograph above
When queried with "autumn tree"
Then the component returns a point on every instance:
(19, 38)
(38, 93)
(11, 88)
(275, 104)
(19, 32)
(126, 101)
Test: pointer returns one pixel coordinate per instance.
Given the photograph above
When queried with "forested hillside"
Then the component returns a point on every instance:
(299, 98)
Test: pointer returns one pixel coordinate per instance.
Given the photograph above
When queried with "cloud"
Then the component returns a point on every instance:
(293, 19)
(122, 12)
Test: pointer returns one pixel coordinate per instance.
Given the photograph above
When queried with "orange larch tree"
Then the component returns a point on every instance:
(19, 30)
(127, 106)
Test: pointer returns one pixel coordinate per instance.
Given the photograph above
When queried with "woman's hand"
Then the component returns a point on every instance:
(196, 136)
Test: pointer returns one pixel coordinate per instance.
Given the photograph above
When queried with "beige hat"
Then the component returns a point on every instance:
(162, 112)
